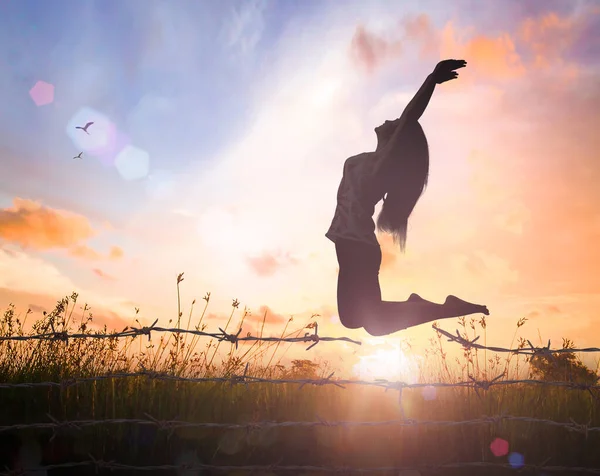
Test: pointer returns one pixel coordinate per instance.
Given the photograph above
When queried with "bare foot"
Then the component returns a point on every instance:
(415, 298)
(463, 308)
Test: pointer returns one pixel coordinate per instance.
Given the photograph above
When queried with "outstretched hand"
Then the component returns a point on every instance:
(445, 70)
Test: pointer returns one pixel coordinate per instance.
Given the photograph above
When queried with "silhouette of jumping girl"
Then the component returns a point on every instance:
(396, 173)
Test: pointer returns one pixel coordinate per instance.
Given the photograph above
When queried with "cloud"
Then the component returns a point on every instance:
(112, 320)
(513, 219)
(244, 28)
(115, 253)
(540, 41)
(84, 252)
(553, 309)
(101, 274)
(39, 302)
(271, 317)
(420, 29)
(268, 263)
(369, 50)
(532, 314)
(31, 225)
(253, 319)
(487, 56)
(21, 274)
(89, 254)
(548, 37)
(37, 308)
(488, 268)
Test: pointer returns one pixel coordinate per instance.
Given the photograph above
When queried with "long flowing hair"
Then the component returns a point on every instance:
(405, 180)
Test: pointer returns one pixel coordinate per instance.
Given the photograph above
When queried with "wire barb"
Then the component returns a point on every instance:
(314, 337)
(233, 338)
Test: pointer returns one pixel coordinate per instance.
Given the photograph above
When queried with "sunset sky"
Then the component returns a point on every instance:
(220, 133)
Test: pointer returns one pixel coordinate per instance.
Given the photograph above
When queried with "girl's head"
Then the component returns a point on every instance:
(405, 178)
(385, 131)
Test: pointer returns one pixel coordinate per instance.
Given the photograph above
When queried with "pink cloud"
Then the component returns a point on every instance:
(369, 51)
(268, 264)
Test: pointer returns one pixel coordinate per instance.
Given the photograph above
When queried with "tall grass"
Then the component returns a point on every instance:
(181, 355)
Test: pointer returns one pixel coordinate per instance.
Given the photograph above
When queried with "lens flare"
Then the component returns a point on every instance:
(132, 163)
(42, 93)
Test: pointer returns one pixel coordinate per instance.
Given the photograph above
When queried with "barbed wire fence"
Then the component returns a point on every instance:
(171, 426)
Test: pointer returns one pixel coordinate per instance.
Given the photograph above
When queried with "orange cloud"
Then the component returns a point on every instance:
(268, 264)
(544, 311)
(113, 321)
(84, 252)
(486, 56)
(490, 56)
(538, 43)
(253, 320)
(35, 308)
(32, 225)
(38, 303)
(271, 317)
(101, 274)
(369, 51)
(115, 253)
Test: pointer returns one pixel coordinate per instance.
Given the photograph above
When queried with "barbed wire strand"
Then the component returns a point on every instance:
(341, 383)
(112, 465)
(531, 350)
(65, 336)
(171, 425)
(314, 338)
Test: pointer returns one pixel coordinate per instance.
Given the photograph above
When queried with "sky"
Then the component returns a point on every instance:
(220, 131)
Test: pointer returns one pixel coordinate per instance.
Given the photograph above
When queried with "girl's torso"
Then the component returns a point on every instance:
(358, 193)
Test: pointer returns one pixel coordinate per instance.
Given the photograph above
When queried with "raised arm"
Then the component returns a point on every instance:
(444, 71)
(417, 105)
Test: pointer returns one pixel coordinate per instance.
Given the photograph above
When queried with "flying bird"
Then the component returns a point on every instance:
(84, 128)
(78, 156)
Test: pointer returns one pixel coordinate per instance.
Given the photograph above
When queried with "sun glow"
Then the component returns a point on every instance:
(389, 363)
(225, 231)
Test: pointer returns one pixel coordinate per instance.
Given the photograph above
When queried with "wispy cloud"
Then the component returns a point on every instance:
(33, 226)
(244, 27)
(270, 317)
(103, 275)
(269, 263)
(370, 50)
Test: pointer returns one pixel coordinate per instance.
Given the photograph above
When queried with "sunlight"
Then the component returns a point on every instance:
(225, 231)
(324, 92)
(389, 363)
(217, 228)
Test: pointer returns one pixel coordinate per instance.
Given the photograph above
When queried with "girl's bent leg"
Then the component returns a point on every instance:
(395, 316)
(358, 291)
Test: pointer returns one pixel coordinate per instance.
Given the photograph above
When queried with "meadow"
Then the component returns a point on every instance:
(170, 394)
